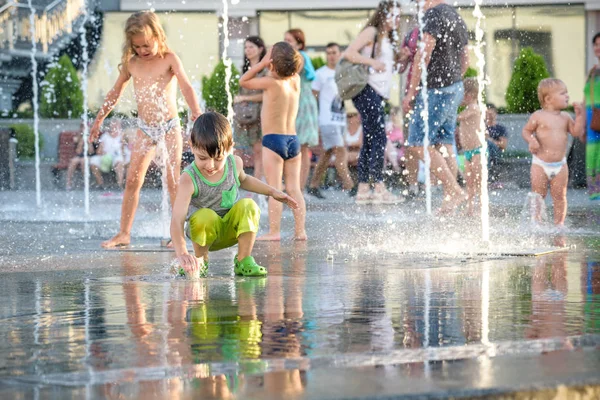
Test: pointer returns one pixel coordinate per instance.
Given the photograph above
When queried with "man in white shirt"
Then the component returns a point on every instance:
(332, 124)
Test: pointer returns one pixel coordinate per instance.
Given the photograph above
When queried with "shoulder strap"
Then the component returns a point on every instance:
(592, 84)
(374, 43)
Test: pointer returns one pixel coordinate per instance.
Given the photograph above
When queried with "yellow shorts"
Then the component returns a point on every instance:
(207, 228)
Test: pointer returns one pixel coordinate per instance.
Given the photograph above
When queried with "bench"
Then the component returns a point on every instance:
(67, 149)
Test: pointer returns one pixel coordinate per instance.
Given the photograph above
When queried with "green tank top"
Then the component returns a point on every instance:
(595, 78)
(219, 196)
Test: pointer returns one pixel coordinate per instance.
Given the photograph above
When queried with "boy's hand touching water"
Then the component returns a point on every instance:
(285, 199)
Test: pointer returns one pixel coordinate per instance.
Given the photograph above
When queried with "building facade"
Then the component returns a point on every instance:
(560, 32)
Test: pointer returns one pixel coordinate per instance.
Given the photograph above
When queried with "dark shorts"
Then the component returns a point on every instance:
(286, 146)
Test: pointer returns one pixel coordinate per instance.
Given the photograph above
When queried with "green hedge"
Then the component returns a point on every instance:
(213, 88)
(26, 138)
(528, 71)
(61, 95)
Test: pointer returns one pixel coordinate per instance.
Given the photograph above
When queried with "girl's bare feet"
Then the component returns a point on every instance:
(120, 239)
(269, 237)
(300, 237)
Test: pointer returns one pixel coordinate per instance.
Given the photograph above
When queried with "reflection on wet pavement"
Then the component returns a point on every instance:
(133, 331)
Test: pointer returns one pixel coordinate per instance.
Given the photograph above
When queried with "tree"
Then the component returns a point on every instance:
(213, 88)
(528, 71)
(61, 95)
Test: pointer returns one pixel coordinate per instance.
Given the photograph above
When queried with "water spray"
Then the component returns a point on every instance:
(227, 61)
(36, 117)
(425, 111)
(84, 116)
(482, 81)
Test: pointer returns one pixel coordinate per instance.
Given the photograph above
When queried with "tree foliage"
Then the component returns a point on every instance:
(521, 94)
(61, 95)
(213, 88)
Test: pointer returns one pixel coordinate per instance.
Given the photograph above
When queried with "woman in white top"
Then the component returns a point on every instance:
(379, 32)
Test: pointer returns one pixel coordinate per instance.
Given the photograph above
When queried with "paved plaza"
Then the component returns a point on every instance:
(381, 302)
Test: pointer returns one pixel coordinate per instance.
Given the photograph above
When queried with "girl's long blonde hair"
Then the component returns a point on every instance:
(146, 23)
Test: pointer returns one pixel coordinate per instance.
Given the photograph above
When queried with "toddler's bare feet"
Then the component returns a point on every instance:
(120, 239)
(269, 237)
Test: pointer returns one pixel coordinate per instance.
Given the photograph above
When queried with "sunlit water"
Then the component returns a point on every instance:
(309, 308)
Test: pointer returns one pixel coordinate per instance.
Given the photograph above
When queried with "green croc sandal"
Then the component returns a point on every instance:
(248, 267)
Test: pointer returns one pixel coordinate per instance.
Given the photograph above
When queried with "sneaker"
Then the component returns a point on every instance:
(387, 197)
(315, 192)
(248, 267)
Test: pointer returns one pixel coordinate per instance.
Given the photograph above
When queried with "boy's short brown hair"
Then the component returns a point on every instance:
(286, 60)
(471, 86)
(212, 133)
(547, 86)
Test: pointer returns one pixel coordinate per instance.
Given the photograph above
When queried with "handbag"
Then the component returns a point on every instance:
(352, 78)
(246, 113)
(595, 122)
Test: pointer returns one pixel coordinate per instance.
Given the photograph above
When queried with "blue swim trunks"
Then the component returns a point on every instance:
(286, 146)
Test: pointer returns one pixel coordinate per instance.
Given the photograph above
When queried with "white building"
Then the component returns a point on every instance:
(560, 32)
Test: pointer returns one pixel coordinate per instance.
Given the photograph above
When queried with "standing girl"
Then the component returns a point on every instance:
(155, 71)
(307, 121)
(248, 104)
(379, 32)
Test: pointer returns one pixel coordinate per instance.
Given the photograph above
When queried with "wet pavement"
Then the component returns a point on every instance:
(382, 302)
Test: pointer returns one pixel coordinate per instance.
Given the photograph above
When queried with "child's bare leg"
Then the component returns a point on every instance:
(341, 165)
(320, 169)
(558, 191)
(291, 170)
(539, 185)
(305, 168)
(412, 165)
(245, 245)
(142, 154)
(120, 171)
(73, 164)
(174, 144)
(273, 169)
(257, 154)
(471, 191)
(97, 174)
(473, 172)
(201, 251)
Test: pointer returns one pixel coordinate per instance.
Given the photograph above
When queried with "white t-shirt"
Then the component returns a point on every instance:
(331, 106)
(112, 145)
